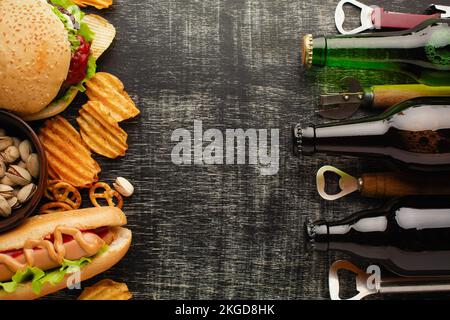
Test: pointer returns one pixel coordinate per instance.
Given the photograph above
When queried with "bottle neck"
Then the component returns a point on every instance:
(362, 52)
(348, 138)
(422, 54)
(382, 222)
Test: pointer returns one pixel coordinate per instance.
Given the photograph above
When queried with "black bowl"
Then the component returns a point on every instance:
(16, 127)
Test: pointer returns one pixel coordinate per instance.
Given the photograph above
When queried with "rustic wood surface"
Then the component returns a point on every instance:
(223, 232)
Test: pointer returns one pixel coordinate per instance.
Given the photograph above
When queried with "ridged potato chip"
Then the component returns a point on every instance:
(106, 289)
(101, 132)
(98, 4)
(69, 159)
(109, 90)
(104, 33)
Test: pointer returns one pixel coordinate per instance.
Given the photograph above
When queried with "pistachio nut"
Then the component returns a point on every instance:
(18, 175)
(14, 203)
(10, 154)
(2, 168)
(32, 165)
(6, 191)
(22, 164)
(25, 149)
(5, 208)
(16, 142)
(7, 181)
(5, 142)
(26, 192)
(123, 186)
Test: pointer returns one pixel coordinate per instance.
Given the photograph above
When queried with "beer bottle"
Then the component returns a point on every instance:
(423, 53)
(412, 224)
(427, 262)
(414, 134)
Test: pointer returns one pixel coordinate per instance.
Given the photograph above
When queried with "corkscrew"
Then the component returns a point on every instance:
(384, 184)
(373, 17)
(343, 105)
(368, 284)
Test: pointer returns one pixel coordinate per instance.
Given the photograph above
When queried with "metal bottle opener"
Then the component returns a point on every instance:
(373, 17)
(383, 184)
(385, 285)
(339, 106)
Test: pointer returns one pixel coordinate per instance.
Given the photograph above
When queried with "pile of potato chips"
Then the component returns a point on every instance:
(69, 152)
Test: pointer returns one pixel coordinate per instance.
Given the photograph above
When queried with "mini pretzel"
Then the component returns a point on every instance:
(49, 189)
(109, 194)
(53, 207)
(65, 192)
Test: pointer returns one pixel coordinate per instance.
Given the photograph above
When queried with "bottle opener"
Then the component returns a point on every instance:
(366, 287)
(339, 106)
(374, 17)
(384, 184)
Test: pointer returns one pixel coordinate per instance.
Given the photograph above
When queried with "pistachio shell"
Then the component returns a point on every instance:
(32, 165)
(5, 208)
(18, 175)
(25, 149)
(2, 168)
(14, 203)
(16, 142)
(7, 181)
(124, 187)
(6, 191)
(10, 154)
(26, 193)
(5, 142)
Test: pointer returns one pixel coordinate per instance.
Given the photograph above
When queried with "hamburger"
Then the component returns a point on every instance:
(51, 252)
(45, 54)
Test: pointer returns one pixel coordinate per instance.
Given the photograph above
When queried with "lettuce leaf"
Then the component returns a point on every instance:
(63, 3)
(39, 277)
(86, 32)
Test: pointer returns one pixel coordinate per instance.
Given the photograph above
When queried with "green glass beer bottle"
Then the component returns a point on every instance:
(423, 53)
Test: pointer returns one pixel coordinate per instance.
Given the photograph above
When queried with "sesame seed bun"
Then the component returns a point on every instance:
(34, 55)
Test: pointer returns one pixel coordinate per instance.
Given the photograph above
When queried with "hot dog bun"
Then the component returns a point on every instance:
(84, 219)
(115, 253)
(40, 226)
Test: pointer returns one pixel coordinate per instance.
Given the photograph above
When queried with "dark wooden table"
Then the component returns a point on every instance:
(223, 232)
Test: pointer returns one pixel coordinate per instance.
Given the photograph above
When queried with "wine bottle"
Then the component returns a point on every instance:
(414, 134)
(412, 224)
(423, 53)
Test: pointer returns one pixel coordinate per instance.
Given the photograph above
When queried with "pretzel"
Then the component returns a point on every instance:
(109, 195)
(65, 192)
(53, 207)
(49, 189)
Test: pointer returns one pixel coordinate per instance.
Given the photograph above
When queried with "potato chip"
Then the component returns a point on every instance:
(106, 289)
(98, 4)
(109, 90)
(69, 159)
(101, 132)
(104, 33)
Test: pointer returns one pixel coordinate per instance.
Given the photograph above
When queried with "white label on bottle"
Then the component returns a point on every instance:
(376, 224)
(422, 118)
(419, 219)
(418, 118)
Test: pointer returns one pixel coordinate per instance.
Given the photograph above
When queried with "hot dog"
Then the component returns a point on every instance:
(93, 237)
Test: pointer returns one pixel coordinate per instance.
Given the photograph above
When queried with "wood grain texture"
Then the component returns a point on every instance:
(222, 232)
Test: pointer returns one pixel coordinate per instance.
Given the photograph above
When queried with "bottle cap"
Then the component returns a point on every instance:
(307, 50)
